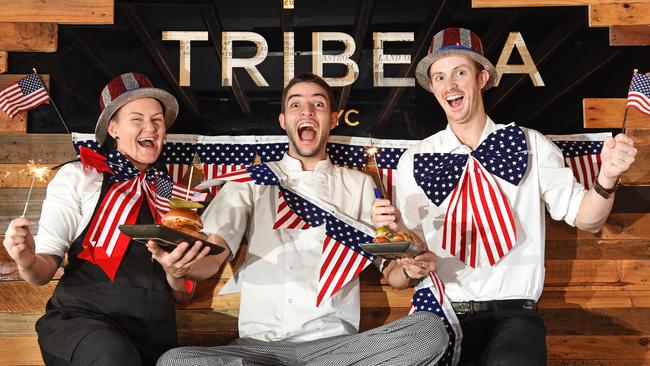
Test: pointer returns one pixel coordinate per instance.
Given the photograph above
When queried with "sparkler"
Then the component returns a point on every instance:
(38, 172)
(372, 151)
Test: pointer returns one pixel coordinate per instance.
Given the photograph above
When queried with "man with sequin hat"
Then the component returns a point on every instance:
(477, 193)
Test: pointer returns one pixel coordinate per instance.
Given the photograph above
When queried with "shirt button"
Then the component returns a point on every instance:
(289, 334)
(292, 268)
(290, 301)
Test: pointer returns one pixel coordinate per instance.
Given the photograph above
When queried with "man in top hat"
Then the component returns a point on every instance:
(477, 193)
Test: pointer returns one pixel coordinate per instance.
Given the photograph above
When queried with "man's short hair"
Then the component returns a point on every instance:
(310, 78)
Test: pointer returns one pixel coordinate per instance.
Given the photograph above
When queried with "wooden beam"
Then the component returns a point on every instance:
(544, 53)
(599, 347)
(619, 13)
(7, 79)
(4, 62)
(361, 22)
(619, 226)
(18, 124)
(435, 19)
(58, 11)
(49, 148)
(608, 113)
(531, 3)
(629, 35)
(29, 37)
(156, 51)
(213, 24)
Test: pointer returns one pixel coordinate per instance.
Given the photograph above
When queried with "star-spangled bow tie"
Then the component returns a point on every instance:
(104, 244)
(478, 211)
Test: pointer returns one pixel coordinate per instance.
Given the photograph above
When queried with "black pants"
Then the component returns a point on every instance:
(503, 337)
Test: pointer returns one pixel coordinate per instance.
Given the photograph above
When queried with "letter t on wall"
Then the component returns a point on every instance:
(185, 39)
(228, 62)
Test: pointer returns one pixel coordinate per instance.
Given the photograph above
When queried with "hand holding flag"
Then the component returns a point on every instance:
(617, 155)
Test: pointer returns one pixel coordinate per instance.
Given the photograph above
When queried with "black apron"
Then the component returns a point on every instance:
(138, 302)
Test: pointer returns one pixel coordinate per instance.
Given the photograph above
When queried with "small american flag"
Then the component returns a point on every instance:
(582, 154)
(178, 158)
(25, 94)
(639, 94)
(387, 159)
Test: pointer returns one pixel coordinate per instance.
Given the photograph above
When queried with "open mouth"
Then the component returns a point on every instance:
(455, 100)
(307, 132)
(146, 142)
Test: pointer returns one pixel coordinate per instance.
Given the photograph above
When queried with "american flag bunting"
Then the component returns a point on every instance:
(582, 154)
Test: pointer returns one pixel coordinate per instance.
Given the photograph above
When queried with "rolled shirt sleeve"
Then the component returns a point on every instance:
(559, 189)
(70, 200)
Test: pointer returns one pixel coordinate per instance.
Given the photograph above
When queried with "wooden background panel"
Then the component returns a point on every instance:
(4, 62)
(18, 176)
(7, 79)
(532, 3)
(620, 13)
(597, 249)
(44, 148)
(629, 35)
(609, 112)
(23, 351)
(598, 347)
(17, 125)
(619, 226)
(29, 37)
(59, 11)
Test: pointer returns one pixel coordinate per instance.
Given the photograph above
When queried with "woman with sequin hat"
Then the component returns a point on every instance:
(113, 305)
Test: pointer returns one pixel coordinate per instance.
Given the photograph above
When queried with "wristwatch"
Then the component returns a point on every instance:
(604, 192)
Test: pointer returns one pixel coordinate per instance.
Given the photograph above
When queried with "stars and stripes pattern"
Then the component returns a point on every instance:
(104, 244)
(342, 258)
(582, 154)
(25, 94)
(639, 93)
(386, 161)
(221, 159)
(178, 157)
(348, 156)
(286, 218)
(478, 214)
(432, 299)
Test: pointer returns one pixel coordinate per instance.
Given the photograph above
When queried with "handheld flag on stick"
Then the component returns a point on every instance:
(23, 95)
(638, 95)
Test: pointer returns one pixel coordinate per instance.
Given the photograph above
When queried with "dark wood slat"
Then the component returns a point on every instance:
(213, 24)
(585, 249)
(629, 35)
(29, 37)
(46, 148)
(361, 21)
(155, 50)
(437, 17)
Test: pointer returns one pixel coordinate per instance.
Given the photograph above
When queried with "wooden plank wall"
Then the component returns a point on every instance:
(596, 300)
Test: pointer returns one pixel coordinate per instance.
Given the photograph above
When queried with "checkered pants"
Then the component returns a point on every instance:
(417, 339)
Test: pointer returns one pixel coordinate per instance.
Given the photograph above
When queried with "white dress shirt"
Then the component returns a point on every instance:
(279, 278)
(69, 204)
(547, 186)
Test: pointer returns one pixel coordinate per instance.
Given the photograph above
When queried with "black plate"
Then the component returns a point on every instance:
(165, 237)
(392, 250)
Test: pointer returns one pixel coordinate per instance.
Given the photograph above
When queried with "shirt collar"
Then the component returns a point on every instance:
(451, 143)
(291, 164)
